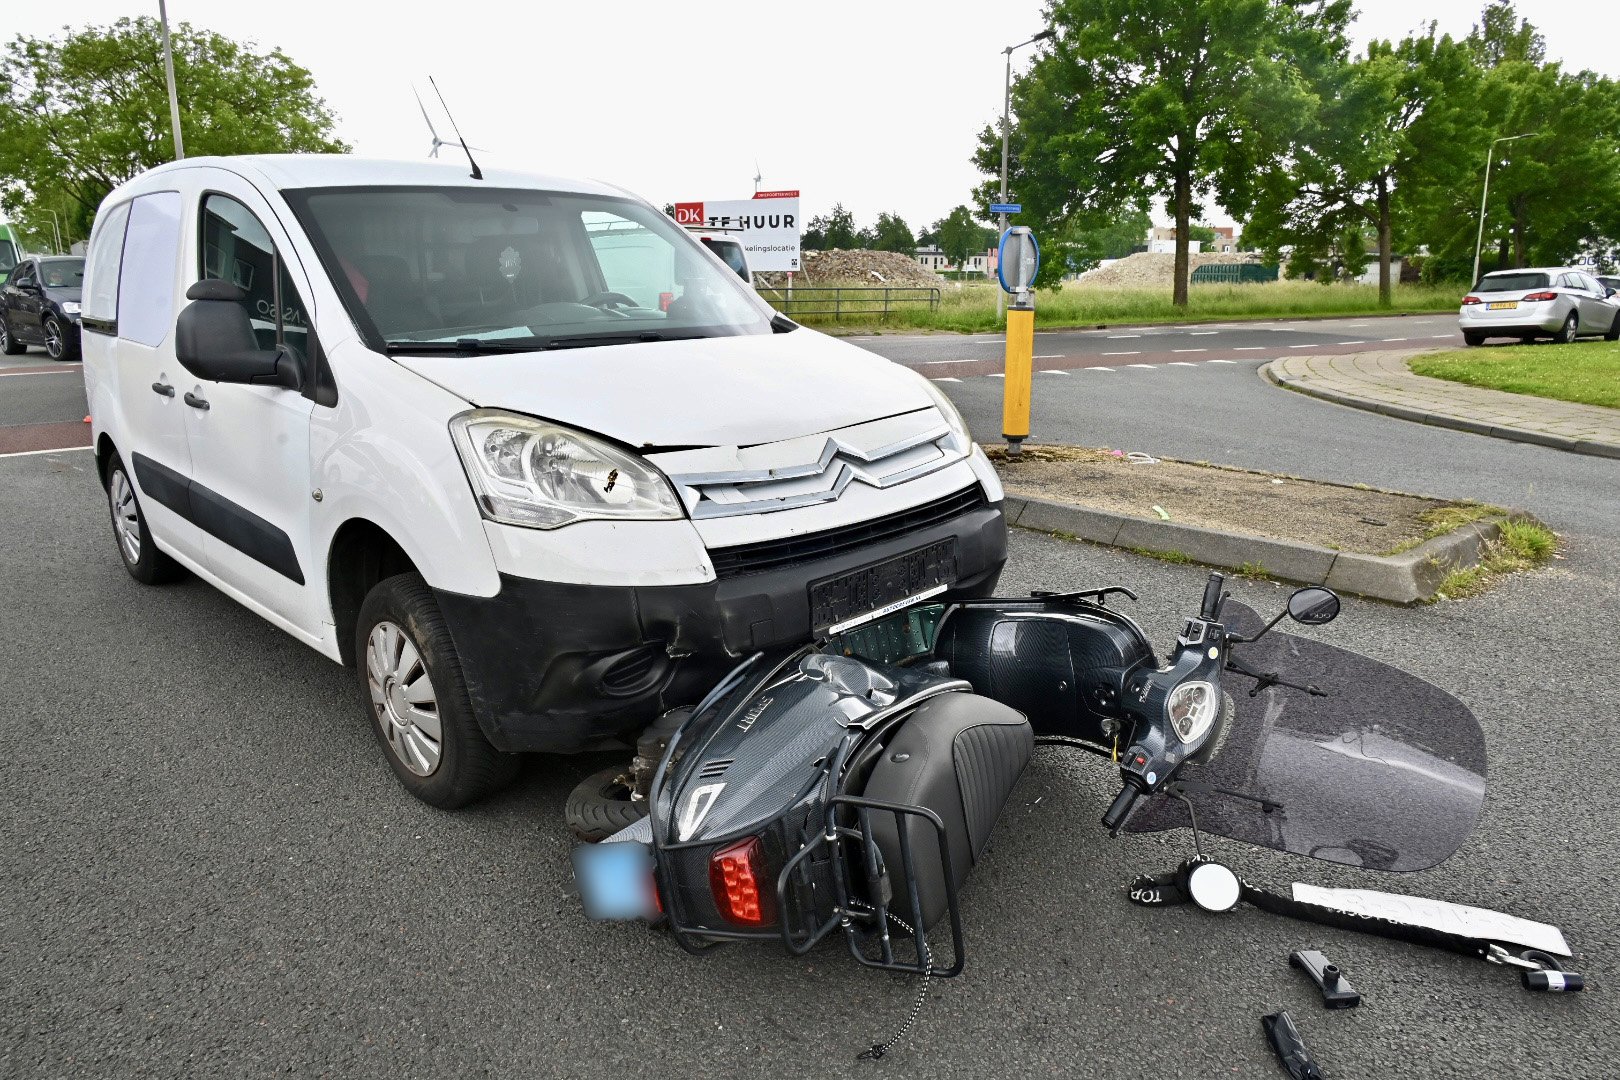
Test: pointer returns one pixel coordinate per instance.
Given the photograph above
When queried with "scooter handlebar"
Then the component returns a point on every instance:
(1120, 810)
(1210, 609)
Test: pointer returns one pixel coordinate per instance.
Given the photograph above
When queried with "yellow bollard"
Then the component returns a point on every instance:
(1020, 373)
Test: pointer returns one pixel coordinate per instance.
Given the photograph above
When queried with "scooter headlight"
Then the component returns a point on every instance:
(543, 476)
(1192, 708)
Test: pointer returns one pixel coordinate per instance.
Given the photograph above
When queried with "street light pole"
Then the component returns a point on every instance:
(168, 73)
(1006, 130)
(1483, 195)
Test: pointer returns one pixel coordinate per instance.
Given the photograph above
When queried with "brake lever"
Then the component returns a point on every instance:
(1265, 680)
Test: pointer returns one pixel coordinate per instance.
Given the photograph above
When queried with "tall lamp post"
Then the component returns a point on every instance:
(1483, 195)
(168, 73)
(1006, 129)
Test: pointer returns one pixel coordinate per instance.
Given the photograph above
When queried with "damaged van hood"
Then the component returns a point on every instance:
(724, 391)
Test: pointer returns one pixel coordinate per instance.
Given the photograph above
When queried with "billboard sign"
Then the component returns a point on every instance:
(767, 225)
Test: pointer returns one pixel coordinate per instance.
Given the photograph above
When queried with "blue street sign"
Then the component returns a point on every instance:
(1006, 207)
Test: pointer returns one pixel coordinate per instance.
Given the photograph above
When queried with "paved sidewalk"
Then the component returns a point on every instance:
(1381, 382)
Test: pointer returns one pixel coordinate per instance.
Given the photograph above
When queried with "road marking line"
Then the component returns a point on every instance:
(61, 371)
(1099, 367)
(1046, 356)
(1053, 371)
(1220, 361)
(1182, 363)
(60, 450)
(1250, 348)
(1433, 336)
(1315, 346)
(1148, 367)
(947, 379)
(1189, 350)
(1203, 333)
(1394, 339)
(1350, 343)
(1120, 337)
(925, 363)
(998, 375)
(1136, 353)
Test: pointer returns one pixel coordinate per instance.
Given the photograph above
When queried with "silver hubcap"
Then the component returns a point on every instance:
(53, 339)
(126, 516)
(402, 694)
(1570, 330)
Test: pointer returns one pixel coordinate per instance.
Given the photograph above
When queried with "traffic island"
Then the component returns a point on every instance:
(1353, 538)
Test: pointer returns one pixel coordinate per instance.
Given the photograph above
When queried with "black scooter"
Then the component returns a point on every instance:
(848, 786)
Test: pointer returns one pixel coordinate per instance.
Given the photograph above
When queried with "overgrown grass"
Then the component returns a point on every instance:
(972, 307)
(1587, 372)
(1521, 546)
(1444, 519)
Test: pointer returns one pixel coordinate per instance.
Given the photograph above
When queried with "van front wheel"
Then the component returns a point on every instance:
(413, 689)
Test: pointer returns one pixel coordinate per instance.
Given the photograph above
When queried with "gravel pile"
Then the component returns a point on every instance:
(1151, 269)
(859, 268)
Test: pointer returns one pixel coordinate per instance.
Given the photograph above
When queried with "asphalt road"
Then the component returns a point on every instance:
(209, 869)
(41, 404)
(958, 356)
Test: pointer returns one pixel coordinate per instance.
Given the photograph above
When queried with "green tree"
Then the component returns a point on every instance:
(1203, 234)
(960, 236)
(1174, 98)
(80, 115)
(1498, 39)
(832, 230)
(1400, 117)
(1088, 241)
(892, 234)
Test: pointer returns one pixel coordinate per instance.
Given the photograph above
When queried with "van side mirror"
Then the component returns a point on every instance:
(214, 340)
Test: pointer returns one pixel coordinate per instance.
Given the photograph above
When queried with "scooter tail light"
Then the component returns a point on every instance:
(1537, 297)
(1467, 300)
(737, 876)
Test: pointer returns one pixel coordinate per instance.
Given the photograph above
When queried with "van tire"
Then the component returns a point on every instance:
(413, 648)
(600, 805)
(149, 566)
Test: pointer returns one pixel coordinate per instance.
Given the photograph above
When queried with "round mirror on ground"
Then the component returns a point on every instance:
(1213, 887)
(1313, 606)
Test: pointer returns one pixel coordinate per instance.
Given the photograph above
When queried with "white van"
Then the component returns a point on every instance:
(411, 418)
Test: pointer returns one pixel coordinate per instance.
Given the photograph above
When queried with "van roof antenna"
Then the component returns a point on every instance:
(477, 173)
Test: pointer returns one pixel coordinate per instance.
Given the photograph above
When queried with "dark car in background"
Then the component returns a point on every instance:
(39, 305)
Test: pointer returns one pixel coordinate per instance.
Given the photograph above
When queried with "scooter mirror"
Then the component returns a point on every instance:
(1313, 606)
(1213, 887)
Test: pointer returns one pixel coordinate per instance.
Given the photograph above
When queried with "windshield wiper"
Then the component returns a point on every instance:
(631, 337)
(465, 345)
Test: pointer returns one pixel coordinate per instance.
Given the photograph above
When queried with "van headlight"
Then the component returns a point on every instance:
(1192, 708)
(543, 476)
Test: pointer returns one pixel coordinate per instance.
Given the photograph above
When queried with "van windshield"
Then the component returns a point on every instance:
(476, 269)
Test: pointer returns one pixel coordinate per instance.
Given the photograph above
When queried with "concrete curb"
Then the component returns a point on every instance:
(1401, 579)
(1590, 447)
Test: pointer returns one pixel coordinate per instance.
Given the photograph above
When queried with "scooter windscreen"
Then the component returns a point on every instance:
(1387, 772)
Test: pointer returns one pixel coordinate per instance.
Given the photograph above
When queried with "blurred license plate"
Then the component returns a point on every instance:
(616, 880)
(839, 603)
(1502, 305)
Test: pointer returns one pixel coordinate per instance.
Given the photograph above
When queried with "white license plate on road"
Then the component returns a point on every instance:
(1502, 305)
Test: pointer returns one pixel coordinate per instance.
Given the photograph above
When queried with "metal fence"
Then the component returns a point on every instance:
(839, 301)
(1233, 273)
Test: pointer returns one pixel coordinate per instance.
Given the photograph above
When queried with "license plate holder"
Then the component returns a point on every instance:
(849, 599)
(1501, 305)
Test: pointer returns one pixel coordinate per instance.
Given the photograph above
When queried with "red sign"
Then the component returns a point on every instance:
(776, 194)
(688, 213)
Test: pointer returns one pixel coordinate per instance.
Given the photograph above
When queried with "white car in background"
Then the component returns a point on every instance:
(1539, 302)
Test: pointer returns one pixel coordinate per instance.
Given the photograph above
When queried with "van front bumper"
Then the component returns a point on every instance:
(563, 668)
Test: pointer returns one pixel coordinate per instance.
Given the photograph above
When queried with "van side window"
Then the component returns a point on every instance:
(150, 263)
(235, 247)
(100, 313)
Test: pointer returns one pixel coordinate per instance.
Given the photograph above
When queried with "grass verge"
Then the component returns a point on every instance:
(972, 308)
(1521, 546)
(1586, 372)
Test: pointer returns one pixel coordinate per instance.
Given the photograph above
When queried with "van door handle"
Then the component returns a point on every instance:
(163, 388)
(194, 401)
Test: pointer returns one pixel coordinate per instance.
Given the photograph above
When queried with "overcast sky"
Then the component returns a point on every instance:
(875, 103)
